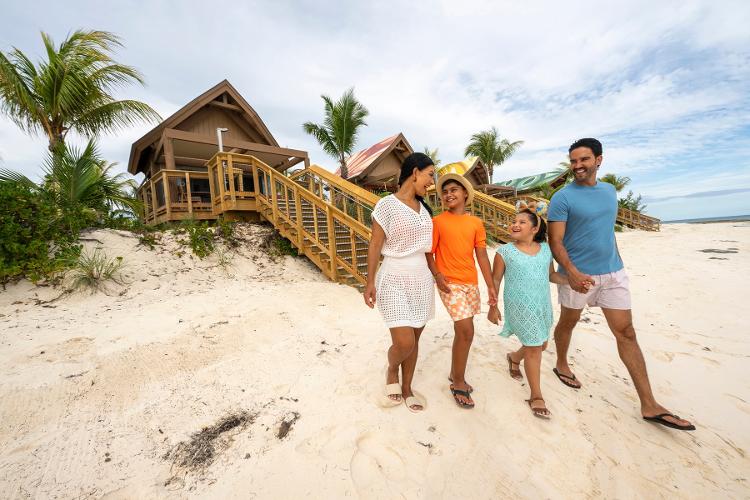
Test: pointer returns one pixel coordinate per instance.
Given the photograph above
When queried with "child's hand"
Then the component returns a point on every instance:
(442, 283)
(492, 296)
(494, 315)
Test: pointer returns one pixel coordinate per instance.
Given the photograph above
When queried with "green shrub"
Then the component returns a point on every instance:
(33, 241)
(94, 270)
(149, 240)
(200, 237)
(225, 229)
(279, 246)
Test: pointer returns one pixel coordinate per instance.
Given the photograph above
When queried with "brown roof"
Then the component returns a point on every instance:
(361, 162)
(248, 113)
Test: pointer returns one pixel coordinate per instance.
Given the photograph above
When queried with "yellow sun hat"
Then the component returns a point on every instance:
(461, 180)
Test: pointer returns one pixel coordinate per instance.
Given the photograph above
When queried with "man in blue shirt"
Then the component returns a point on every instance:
(581, 219)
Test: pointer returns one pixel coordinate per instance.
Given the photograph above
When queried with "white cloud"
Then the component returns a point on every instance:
(657, 81)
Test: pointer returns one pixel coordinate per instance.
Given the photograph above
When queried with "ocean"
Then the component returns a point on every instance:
(705, 220)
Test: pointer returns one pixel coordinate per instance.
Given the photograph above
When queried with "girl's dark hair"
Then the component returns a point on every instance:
(540, 235)
(420, 161)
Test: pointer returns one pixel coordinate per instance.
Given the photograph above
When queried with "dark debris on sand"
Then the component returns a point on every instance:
(203, 447)
(286, 424)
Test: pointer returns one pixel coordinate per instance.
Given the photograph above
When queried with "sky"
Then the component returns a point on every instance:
(664, 85)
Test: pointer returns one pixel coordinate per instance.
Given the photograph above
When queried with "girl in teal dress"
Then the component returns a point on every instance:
(526, 264)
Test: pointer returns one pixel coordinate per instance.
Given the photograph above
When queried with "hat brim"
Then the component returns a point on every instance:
(457, 178)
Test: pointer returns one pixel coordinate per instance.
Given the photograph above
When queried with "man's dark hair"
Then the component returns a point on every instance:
(588, 142)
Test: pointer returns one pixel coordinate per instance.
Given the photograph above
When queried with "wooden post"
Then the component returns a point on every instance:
(169, 154)
(298, 209)
(256, 184)
(220, 180)
(167, 200)
(211, 187)
(360, 214)
(354, 251)
(189, 194)
(331, 242)
(153, 199)
(274, 200)
(230, 177)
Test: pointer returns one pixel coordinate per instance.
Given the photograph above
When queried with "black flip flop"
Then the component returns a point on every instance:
(659, 419)
(451, 381)
(562, 377)
(466, 394)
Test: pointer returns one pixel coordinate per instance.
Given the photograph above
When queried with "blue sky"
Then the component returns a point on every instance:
(664, 85)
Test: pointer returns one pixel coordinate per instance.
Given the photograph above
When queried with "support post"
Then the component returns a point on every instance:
(189, 194)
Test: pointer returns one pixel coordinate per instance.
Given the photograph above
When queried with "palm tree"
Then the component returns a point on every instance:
(80, 184)
(338, 133)
(491, 149)
(434, 155)
(619, 182)
(71, 90)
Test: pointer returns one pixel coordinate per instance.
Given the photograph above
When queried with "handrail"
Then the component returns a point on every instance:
(331, 238)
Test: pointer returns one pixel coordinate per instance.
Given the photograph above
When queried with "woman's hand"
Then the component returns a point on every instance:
(442, 283)
(494, 315)
(369, 295)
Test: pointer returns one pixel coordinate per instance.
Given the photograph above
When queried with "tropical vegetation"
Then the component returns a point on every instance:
(434, 155)
(342, 120)
(72, 90)
(491, 148)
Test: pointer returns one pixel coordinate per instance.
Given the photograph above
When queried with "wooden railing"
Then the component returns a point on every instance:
(497, 215)
(637, 220)
(175, 194)
(344, 195)
(330, 237)
(625, 217)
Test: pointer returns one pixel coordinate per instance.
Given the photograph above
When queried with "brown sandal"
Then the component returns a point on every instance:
(539, 412)
(514, 373)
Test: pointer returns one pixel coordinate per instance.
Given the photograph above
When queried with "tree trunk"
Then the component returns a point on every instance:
(344, 170)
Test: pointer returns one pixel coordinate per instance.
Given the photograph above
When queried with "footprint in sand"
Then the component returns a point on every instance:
(377, 469)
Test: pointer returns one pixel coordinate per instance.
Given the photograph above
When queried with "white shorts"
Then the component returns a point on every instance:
(610, 291)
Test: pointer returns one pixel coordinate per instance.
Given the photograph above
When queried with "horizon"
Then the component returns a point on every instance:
(665, 93)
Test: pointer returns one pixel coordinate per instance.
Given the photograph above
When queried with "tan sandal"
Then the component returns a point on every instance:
(413, 401)
(539, 412)
(515, 373)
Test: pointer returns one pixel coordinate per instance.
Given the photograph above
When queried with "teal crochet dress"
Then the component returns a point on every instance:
(526, 296)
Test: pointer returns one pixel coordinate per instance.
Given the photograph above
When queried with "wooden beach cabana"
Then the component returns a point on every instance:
(173, 157)
(377, 168)
(474, 170)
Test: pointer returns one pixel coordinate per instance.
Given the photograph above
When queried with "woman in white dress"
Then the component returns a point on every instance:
(403, 287)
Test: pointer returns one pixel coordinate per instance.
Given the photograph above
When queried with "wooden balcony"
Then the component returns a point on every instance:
(175, 195)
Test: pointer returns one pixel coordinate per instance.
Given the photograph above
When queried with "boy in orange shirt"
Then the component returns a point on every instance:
(456, 238)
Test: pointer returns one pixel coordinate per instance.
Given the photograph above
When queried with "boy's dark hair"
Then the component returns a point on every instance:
(454, 181)
(420, 161)
(540, 235)
(587, 142)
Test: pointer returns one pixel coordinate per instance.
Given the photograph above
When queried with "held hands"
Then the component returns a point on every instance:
(494, 315)
(369, 295)
(492, 293)
(580, 282)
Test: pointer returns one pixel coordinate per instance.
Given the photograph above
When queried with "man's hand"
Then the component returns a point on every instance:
(580, 282)
(494, 315)
(492, 296)
(442, 283)
(369, 295)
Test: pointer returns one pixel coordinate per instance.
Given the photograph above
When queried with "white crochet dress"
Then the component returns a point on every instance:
(404, 284)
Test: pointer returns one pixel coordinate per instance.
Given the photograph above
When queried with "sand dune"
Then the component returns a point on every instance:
(97, 389)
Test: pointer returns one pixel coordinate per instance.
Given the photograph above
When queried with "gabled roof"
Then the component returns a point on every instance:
(534, 181)
(465, 168)
(246, 112)
(362, 162)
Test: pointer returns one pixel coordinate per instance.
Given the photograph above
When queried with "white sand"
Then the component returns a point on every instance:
(95, 390)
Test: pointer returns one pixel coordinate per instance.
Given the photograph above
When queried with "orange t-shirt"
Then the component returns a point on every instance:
(454, 238)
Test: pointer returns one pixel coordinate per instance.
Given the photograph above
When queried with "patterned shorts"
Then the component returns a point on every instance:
(463, 301)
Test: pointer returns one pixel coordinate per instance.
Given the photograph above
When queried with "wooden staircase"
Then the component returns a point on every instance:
(325, 217)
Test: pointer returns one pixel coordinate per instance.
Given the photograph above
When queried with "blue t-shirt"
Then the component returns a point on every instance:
(590, 213)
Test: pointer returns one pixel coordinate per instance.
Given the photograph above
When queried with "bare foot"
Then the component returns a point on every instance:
(470, 388)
